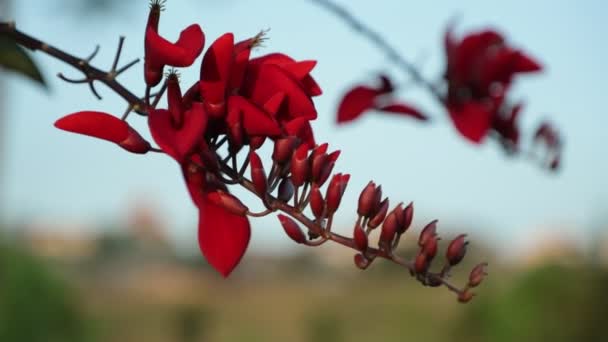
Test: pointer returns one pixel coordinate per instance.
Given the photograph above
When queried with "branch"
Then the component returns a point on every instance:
(318, 230)
(91, 73)
(375, 38)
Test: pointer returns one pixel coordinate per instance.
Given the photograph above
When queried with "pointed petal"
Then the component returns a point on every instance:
(524, 63)
(267, 79)
(178, 142)
(216, 69)
(223, 237)
(472, 120)
(95, 124)
(300, 127)
(182, 53)
(273, 105)
(255, 120)
(355, 102)
(402, 108)
(299, 70)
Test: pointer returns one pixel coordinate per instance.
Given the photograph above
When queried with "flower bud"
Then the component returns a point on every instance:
(300, 167)
(256, 142)
(258, 175)
(318, 163)
(292, 229)
(377, 202)
(317, 204)
(421, 264)
(427, 232)
(361, 261)
(283, 149)
(285, 190)
(228, 202)
(407, 216)
(465, 296)
(319, 150)
(377, 219)
(430, 247)
(174, 99)
(328, 167)
(477, 274)
(389, 230)
(360, 238)
(456, 250)
(335, 191)
(367, 199)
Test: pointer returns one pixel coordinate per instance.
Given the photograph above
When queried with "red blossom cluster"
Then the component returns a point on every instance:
(214, 131)
(480, 69)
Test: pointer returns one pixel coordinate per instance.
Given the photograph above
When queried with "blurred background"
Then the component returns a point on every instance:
(98, 245)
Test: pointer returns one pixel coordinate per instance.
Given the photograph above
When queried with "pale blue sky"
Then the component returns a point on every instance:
(57, 176)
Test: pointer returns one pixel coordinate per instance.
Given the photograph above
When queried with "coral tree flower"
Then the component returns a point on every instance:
(246, 99)
(363, 98)
(480, 69)
(160, 52)
(104, 126)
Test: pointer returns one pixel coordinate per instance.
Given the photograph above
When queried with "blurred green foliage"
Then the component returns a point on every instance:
(551, 303)
(35, 305)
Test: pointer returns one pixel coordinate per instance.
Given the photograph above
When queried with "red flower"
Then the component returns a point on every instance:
(222, 235)
(178, 141)
(362, 98)
(104, 126)
(161, 52)
(480, 69)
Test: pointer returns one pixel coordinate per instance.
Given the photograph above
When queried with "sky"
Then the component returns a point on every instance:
(56, 177)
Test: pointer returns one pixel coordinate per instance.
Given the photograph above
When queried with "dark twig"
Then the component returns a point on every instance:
(375, 38)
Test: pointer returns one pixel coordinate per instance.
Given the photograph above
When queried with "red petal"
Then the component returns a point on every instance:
(355, 102)
(311, 86)
(524, 63)
(255, 120)
(299, 70)
(273, 105)
(401, 108)
(300, 127)
(216, 68)
(178, 142)
(268, 79)
(95, 124)
(472, 120)
(242, 51)
(272, 58)
(182, 53)
(223, 237)
(175, 100)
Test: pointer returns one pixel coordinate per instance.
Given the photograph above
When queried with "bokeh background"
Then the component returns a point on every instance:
(98, 245)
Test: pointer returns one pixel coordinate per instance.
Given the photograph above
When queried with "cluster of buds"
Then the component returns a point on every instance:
(214, 131)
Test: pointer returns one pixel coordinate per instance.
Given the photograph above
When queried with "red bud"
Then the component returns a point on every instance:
(380, 214)
(456, 250)
(258, 175)
(317, 204)
(335, 191)
(427, 232)
(367, 199)
(361, 239)
(283, 149)
(361, 261)
(465, 297)
(430, 247)
(389, 229)
(421, 264)
(327, 168)
(228, 202)
(292, 229)
(174, 99)
(300, 167)
(256, 142)
(477, 274)
(408, 215)
(318, 163)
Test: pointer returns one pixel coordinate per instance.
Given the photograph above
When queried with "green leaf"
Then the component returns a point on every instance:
(14, 57)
